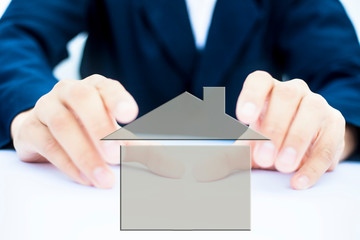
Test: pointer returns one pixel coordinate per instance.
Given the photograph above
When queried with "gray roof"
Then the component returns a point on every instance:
(187, 117)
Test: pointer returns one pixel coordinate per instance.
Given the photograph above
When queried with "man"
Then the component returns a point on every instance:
(149, 47)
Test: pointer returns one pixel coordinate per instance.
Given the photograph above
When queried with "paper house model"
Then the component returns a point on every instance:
(155, 203)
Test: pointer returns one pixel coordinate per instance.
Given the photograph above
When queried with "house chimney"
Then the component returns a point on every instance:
(214, 99)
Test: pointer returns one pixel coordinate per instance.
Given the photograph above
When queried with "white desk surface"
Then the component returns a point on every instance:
(39, 202)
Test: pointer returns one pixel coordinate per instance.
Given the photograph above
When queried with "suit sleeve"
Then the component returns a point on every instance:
(33, 38)
(319, 45)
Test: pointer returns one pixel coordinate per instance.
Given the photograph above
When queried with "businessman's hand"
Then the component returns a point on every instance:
(66, 125)
(307, 134)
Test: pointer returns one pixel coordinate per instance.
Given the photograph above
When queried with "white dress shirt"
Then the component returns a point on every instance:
(200, 15)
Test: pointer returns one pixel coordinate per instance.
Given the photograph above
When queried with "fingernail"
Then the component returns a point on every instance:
(286, 159)
(264, 154)
(248, 110)
(126, 111)
(302, 182)
(103, 177)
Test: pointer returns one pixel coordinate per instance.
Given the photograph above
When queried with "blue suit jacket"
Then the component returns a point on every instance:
(149, 47)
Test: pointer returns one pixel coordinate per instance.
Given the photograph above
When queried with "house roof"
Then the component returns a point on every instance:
(187, 117)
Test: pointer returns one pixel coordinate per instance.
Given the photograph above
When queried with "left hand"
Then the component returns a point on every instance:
(307, 134)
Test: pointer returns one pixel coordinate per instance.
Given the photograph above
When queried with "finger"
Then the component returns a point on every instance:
(256, 127)
(113, 146)
(51, 150)
(23, 145)
(75, 142)
(311, 114)
(283, 104)
(227, 159)
(43, 144)
(86, 103)
(115, 97)
(256, 88)
(213, 169)
(323, 154)
(337, 157)
(154, 157)
(339, 154)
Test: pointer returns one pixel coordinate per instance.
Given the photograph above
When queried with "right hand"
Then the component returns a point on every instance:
(66, 125)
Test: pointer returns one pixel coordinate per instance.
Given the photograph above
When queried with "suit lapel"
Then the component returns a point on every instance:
(230, 26)
(231, 23)
(170, 22)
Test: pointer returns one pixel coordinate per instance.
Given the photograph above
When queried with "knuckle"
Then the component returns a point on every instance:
(57, 122)
(315, 101)
(298, 139)
(113, 82)
(326, 156)
(62, 83)
(287, 90)
(85, 159)
(260, 74)
(51, 147)
(80, 91)
(259, 77)
(114, 85)
(41, 101)
(98, 76)
(274, 130)
(334, 118)
(94, 79)
(339, 117)
(101, 128)
(250, 93)
(301, 85)
(313, 170)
